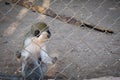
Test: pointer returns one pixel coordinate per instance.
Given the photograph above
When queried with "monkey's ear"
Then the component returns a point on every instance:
(49, 34)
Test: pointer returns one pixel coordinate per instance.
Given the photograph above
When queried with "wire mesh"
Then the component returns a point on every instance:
(82, 52)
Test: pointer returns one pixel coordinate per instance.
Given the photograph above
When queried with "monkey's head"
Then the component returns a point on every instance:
(40, 27)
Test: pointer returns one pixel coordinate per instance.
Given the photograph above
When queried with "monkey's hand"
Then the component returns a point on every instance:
(18, 55)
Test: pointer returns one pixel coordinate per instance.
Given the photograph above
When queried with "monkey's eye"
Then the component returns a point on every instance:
(36, 33)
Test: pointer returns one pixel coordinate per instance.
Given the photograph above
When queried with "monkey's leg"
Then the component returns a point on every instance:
(23, 68)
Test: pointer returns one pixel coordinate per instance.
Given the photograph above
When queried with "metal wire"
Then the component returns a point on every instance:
(69, 41)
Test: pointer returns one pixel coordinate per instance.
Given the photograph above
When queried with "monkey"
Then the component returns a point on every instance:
(34, 54)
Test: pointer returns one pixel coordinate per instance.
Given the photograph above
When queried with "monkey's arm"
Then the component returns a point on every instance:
(19, 54)
(45, 57)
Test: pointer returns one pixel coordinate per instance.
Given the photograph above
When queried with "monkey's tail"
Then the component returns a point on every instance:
(4, 76)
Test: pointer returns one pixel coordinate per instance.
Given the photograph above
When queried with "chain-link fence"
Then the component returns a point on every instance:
(85, 37)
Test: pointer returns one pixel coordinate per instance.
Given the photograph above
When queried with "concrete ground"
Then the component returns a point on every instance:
(105, 78)
(82, 53)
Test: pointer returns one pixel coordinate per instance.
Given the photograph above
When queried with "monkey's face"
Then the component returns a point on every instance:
(37, 33)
